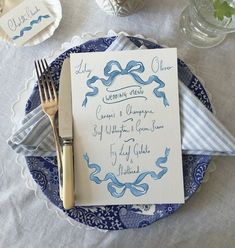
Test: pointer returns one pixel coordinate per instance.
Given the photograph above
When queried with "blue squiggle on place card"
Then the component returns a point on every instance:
(132, 68)
(32, 23)
(117, 189)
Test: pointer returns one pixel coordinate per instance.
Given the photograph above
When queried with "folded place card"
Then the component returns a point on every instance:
(127, 143)
(26, 20)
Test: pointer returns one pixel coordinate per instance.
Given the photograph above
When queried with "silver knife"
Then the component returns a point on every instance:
(66, 134)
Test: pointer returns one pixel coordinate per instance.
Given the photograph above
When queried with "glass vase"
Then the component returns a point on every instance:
(201, 28)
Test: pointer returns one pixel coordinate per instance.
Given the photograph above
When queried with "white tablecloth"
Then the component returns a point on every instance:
(206, 220)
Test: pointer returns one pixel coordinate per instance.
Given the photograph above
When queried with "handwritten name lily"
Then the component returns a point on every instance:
(83, 68)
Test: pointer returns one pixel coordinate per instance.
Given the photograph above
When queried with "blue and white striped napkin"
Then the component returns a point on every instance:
(201, 132)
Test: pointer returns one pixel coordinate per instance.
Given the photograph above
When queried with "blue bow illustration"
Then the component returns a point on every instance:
(114, 69)
(32, 23)
(117, 189)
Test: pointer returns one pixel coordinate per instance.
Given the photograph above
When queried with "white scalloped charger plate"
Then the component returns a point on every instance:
(18, 113)
(54, 7)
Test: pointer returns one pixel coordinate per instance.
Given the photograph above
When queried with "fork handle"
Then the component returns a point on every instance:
(68, 175)
(59, 155)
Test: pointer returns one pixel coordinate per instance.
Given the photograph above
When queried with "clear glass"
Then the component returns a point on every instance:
(201, 28)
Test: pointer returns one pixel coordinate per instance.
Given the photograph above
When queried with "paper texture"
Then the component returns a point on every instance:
(26, 20)
(127, 145)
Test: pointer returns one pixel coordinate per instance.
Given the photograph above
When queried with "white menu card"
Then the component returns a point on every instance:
(127, 143)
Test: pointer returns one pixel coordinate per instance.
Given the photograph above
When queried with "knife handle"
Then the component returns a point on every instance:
(58, 154)
(68, 176)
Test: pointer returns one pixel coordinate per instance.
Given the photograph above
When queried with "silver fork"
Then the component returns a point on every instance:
(49, 103)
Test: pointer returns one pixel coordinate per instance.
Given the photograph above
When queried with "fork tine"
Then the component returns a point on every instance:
(47, 79)
(39, 82)
(43, 81)
(51, 80)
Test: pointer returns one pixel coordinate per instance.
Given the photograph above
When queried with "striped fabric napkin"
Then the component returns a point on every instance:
(201, 132)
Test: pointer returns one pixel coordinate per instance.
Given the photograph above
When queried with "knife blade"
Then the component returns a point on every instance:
(66, 134)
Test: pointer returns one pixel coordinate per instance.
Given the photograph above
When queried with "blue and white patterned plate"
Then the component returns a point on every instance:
(45, 173)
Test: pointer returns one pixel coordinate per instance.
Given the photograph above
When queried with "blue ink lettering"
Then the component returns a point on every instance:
(82, 68)
(157, 65)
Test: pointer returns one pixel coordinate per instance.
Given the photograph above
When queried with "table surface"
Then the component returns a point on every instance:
(206, 220)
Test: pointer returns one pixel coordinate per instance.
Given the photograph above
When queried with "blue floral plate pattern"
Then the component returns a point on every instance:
(44, 170)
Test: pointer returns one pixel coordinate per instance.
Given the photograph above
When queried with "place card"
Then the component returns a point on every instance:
(127, 142)
(26, 20)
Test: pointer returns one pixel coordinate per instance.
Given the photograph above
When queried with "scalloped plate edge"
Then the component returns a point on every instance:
(18, 112)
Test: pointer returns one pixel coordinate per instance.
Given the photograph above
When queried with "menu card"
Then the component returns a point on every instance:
(127, 143)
